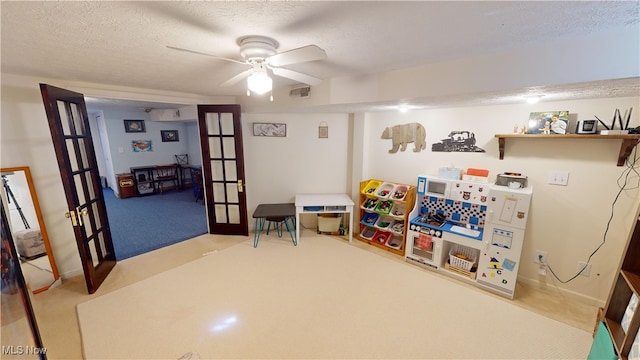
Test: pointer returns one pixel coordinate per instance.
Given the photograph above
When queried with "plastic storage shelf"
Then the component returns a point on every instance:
(384, 208)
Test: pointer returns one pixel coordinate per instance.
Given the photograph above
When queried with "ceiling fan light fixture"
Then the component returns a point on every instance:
(532, 99)
(259, 82)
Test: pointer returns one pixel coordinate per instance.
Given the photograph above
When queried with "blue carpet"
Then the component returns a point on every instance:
(142, 224)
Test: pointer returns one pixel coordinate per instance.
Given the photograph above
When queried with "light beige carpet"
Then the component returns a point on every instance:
(321, 299)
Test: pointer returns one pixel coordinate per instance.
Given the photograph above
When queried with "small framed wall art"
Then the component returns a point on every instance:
(169, 135)
(269, 129)
(134, 126)
(142, 145)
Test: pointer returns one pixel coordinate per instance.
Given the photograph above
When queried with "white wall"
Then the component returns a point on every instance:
(193, 143)
(26, 141)
(278, 168)
(567, 222)
(122, 154)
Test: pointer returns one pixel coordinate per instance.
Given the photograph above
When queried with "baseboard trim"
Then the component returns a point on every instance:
(582, 298)
(71, 274)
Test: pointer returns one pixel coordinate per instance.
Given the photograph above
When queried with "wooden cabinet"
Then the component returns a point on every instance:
(126, 185)
(626, 286)
(384, 211)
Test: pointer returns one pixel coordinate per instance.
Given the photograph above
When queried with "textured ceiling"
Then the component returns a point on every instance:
(124, 43)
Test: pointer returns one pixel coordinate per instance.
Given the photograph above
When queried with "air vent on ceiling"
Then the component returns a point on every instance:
(301, 92)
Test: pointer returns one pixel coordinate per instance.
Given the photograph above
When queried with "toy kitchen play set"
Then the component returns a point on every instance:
(470, 229)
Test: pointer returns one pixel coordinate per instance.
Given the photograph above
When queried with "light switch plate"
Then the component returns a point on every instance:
(559, 178)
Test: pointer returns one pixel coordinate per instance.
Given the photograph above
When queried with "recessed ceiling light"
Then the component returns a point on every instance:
(403, 108)
(532, 99)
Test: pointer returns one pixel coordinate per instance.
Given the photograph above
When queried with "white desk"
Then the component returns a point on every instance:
(323, 203)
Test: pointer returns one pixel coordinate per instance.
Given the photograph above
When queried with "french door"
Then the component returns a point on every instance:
(223, 168)
(69, 125)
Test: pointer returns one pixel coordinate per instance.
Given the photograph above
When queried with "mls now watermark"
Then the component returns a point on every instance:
(23, 350)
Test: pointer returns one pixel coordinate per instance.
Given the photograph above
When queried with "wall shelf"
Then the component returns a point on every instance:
(629, 141)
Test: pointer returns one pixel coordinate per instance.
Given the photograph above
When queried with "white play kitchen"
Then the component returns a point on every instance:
(472, 230)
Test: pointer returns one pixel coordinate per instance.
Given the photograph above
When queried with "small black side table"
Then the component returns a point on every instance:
(277, 214)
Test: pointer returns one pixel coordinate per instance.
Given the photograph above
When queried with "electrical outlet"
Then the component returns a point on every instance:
(587, 268)
(542, 270)
(541, 257)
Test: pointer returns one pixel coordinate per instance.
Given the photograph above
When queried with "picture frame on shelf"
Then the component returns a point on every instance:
(169, 135)
(270, 129)
(548, 122)
(134, 126)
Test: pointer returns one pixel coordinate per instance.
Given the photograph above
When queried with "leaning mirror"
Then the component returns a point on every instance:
(27, 226)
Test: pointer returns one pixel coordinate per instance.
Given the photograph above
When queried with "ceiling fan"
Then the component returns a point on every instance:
(259, 52)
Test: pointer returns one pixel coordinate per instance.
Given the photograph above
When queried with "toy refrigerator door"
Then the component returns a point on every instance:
(509, 208)
(500, 258)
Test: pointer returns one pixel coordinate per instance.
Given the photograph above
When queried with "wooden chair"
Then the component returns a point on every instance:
(182, 159)
(164, 174)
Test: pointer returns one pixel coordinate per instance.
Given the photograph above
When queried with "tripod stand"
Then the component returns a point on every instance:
(10, 196)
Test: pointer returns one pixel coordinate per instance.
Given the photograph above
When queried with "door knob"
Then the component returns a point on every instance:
(81, 213)
(71, 215)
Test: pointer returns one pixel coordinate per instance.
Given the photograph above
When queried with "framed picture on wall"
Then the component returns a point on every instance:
(169, 135)
(269, 129)
(142, 145)
(134, 126)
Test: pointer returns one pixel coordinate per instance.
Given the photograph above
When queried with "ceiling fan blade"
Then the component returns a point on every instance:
(294, 75)
(207, 54)
(299, 55)
(234, 80)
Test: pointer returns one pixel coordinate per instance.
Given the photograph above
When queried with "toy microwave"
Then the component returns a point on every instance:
(433, 187)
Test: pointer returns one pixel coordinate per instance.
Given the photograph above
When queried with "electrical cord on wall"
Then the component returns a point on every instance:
(624, 176)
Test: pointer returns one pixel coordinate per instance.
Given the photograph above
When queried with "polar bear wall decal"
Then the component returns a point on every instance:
(401, 135)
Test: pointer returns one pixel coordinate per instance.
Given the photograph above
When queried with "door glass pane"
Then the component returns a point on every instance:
(229, 147)
(226, 120)
(95, 259)
(215, 149)
(212, 124)
(90, 188)
(76, 115)
(101, 244)
(84, 163)
(218, 192)
(77, 181)
(86, 224)
(96, 215)
(230, 170)
(232, 192)
(73, 160)
(234, 214)
(216, 170)
(64, 119)
(221, 214)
